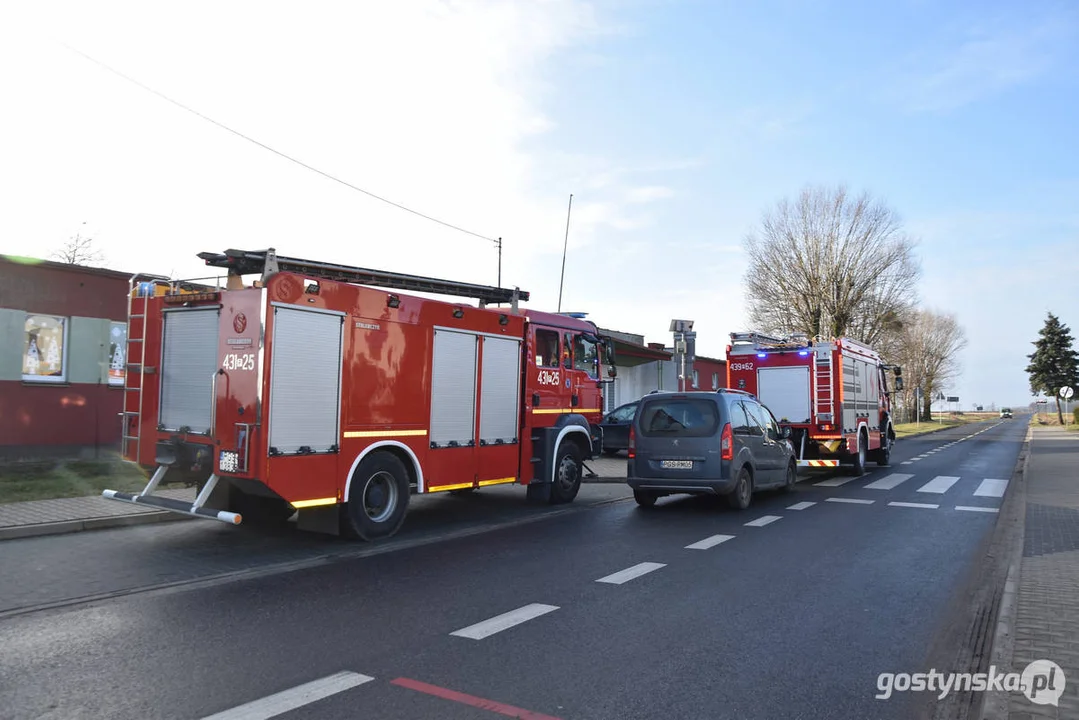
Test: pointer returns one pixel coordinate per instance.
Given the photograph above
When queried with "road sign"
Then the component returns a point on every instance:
(953, 398)
(1066, 392)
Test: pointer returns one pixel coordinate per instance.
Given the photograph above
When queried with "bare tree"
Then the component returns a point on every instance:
(79, 250)
(830, 265)
(928, 351)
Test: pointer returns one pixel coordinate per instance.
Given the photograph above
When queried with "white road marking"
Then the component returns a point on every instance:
(939, 484)
(631, 572)
(763, 520)
(889, 481)
(297, 697)
(802, 505)
(971, 508)
(709, 542)
(835, 482)
(851, 501)
(992, 487)
(907, 462)
(504, 621)
(928, 506)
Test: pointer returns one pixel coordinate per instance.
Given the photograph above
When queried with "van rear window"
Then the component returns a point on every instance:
(679, 418)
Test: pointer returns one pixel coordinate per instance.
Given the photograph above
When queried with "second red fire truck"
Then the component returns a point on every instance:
(832, 393)
(320, 392)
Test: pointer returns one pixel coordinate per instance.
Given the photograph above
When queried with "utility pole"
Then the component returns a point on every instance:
(565, 244)
(499, 243)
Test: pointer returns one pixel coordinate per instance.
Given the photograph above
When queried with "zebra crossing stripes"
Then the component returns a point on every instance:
(939, 485)
(991, 487)
(889, 482)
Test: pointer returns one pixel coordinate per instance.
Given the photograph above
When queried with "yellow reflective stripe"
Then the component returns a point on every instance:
(499, 481)
(384, 433)
(563, 411)
(313, 503)
(459, 486)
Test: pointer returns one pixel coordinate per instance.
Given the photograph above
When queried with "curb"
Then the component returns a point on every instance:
(995, 705)
(63, 527)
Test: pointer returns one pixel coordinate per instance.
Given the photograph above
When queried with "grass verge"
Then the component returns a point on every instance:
(50, 479)
(908, 429)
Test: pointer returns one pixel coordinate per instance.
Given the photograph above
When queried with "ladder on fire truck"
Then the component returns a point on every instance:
(267, 263)
(141, 286)
(823, 385)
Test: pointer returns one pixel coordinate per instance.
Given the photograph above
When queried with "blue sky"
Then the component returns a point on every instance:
(673, 123)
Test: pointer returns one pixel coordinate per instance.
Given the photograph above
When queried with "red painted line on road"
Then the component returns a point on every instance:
(478, 702)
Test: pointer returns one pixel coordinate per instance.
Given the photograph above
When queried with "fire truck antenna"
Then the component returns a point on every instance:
(565, 244)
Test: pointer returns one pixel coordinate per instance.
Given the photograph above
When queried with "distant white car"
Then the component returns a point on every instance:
(1006, 413)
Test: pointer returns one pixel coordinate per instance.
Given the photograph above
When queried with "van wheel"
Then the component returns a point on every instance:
(567, 474)
(644, 498)
(742, 494)
(378, 498)
(792, 478)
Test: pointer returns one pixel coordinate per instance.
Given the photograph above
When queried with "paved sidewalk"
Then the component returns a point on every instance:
(1045, 624)
(50, 517)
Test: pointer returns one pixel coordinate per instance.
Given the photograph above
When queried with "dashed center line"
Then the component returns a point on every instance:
(927, 506)
(288, 700)
(709, 542)
(631, 572)
(802, 505)
(504, 621)
(850, 501)
(972, 508)
(763, 520)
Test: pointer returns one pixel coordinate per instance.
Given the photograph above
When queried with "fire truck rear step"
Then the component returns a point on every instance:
(196, 509)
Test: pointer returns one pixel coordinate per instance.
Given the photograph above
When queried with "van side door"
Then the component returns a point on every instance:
(771, 454)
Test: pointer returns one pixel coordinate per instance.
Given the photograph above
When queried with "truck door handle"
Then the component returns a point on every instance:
(573, 401)
(535, 399)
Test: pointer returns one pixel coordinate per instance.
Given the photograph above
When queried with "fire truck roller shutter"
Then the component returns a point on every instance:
(785, 391)
(305, 381)
(500, 391)
(188, 362)
(453, 388)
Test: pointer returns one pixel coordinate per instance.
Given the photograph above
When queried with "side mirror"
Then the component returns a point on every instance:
(612, 372)
(785, 432)
(899, 383)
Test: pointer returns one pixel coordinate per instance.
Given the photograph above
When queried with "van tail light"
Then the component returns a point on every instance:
(632, 449)
(726, 443)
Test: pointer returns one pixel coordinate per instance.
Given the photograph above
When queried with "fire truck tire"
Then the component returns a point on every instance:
(742, 495)
(567, 473)
(378, 498)
(884, 454)
(858, 468)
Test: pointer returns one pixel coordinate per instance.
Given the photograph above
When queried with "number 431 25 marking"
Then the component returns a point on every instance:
(239, 361)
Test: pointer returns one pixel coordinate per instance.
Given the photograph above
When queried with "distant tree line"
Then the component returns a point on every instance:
(832, 264)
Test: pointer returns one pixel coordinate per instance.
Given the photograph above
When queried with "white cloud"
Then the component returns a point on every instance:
(424, 103)
(649, 194)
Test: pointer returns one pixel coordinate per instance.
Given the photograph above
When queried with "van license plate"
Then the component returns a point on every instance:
(676, 464)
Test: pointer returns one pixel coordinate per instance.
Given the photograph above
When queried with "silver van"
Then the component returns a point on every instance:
(707, 443)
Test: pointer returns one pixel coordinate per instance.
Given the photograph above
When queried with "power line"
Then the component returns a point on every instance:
(278, 152)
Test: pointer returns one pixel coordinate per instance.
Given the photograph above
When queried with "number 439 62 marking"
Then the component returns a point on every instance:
(239, 361)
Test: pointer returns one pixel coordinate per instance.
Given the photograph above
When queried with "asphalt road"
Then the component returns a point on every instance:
(789, 617)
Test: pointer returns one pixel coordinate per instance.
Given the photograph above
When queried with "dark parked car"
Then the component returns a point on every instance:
(707, 443)
(616, 428)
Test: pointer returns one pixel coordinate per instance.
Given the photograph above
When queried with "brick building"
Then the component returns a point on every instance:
(63, 331)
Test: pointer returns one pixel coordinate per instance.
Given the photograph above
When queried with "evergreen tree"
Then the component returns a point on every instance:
(1054, 362)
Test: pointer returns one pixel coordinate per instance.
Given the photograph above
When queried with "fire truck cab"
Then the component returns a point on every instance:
(832, 393)
(321, 393)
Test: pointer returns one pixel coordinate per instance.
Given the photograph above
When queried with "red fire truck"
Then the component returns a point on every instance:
(321, 394)
(832, 393)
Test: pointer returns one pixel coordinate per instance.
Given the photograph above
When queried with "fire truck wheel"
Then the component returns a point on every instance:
(883, 456)
(567, 474)
(858, 468)
(742, 494)
(378, 497)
